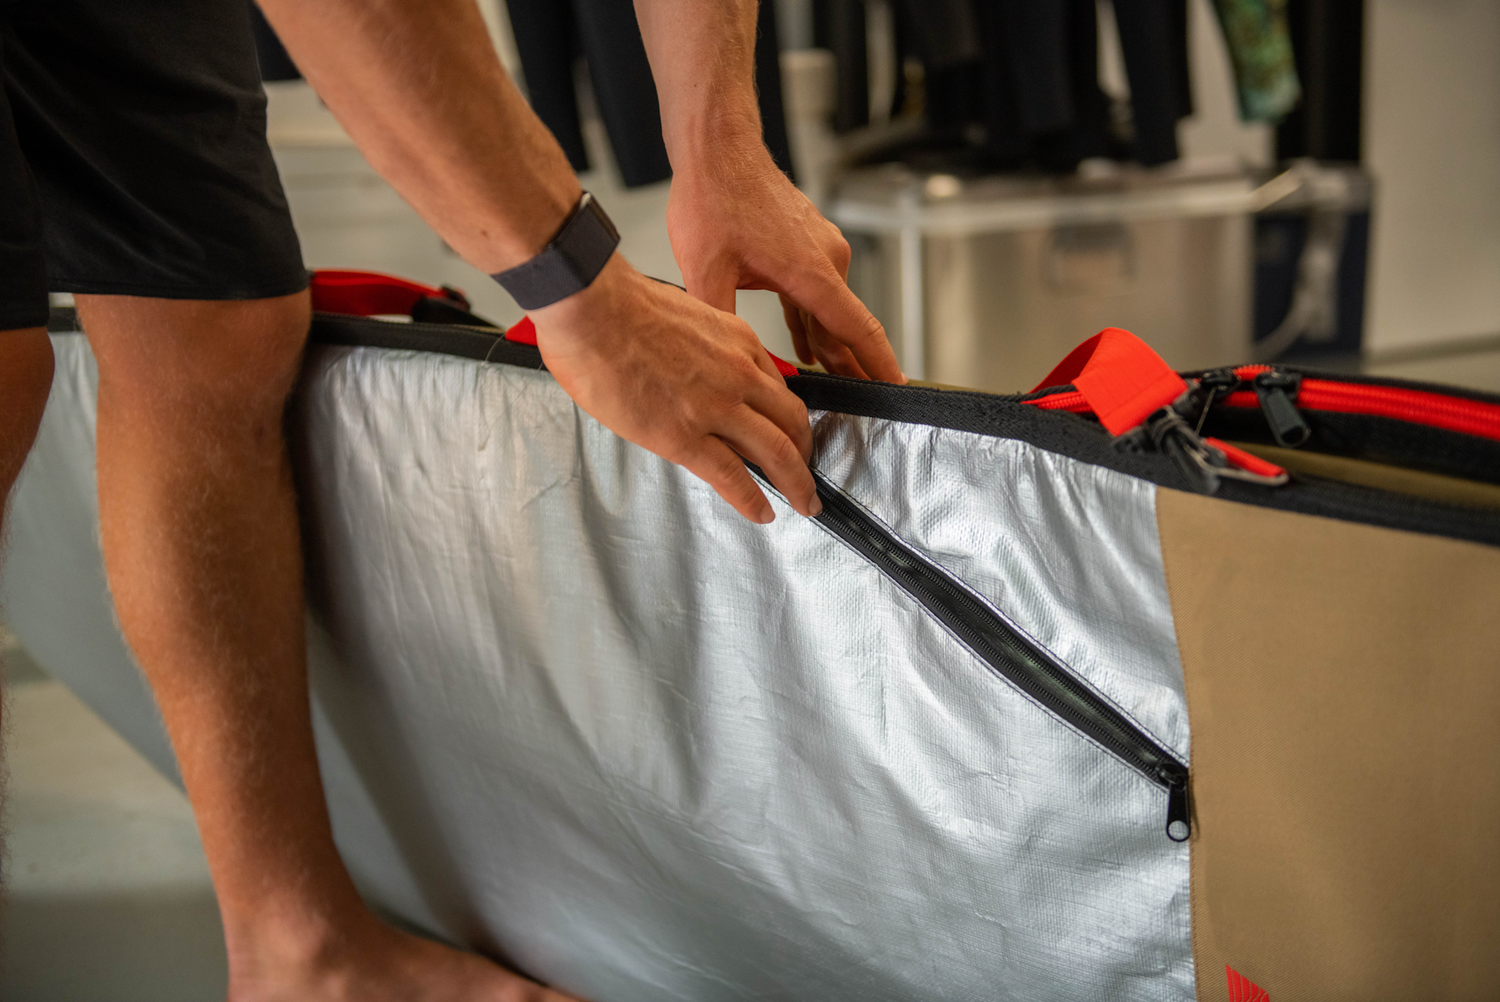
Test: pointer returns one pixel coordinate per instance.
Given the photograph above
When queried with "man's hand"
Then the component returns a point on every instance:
(368, 961)
(736, 222)
(688, 382)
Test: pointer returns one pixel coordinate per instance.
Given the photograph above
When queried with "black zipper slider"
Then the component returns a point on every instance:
(1179, 818)
(1276, 390)
(1210, 386)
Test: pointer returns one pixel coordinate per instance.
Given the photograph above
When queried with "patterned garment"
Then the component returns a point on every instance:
(1260, 47)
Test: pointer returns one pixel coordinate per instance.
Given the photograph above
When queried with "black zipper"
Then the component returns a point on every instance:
(1008, 652)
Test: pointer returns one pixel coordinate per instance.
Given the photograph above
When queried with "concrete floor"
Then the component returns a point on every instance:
(108, 895)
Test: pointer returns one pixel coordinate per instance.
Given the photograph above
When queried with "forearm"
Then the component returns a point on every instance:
(419, 87)
(702, 55)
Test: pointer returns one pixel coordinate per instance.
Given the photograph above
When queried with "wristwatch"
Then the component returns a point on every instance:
(571, 261)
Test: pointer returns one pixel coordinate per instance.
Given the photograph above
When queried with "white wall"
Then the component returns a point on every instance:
(1214, 129)
(1432, 140)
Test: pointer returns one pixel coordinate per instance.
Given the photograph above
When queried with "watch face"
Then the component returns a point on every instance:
(591, 204)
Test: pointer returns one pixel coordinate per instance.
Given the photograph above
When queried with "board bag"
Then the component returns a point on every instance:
(1141, 685)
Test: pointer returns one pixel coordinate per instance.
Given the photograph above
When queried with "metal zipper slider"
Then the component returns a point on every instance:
(1179, 819)
(1204, 462)
(1169, 434)
(1276, 390)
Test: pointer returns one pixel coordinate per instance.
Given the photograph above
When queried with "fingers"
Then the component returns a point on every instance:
(834, 356)
(756, 438)
(784, 410)
(796, 325)
(717, 465)
(848, 323)
(813, 343)
(759, 440)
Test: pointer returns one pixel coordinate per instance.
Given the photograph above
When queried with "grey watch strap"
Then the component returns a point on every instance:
(569, 263)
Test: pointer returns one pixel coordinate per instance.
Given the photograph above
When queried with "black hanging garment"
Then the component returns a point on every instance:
(1028, 72)
(551, 34)
(1154, 42)
(947, 38)
(839, 26)
(1327, 44)
(1042, 100)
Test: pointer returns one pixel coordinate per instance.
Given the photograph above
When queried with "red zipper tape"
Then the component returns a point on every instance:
(1435, 410)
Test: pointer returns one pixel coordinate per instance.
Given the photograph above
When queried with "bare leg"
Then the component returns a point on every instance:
(201, 546)
(25, 381)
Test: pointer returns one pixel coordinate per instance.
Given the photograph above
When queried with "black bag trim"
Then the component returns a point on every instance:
(998, 416)
(1373, 437)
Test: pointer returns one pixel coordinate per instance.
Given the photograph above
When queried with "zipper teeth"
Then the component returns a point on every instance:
(1069, 401)
(1003, 649)
(1434, 410)
(1410, 405)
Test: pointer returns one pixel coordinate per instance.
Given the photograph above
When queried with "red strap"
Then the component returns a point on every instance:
(784, 367)
(366, 293)
(1119, 375)
(524, 332)
(1249, 462)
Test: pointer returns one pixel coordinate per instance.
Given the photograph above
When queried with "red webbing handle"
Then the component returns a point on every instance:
(1120, 376)
(522, 331)
(367, 293)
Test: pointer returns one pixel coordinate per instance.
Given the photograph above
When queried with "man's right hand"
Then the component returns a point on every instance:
(691, 383)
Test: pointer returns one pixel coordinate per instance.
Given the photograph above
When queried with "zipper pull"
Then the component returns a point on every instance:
(1209, 388)
(1170, 435)
(1179, 820)
(1276, 390)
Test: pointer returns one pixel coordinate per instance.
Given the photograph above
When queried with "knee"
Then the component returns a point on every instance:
(25, 381)
(239, 358)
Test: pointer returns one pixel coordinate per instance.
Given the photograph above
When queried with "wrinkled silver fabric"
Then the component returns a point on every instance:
(52, 588)
(578, 713)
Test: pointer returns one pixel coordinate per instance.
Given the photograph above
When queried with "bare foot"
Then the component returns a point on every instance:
(381, 964)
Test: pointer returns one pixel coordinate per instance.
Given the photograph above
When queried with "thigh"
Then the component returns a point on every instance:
(143, 123)
(23, 278)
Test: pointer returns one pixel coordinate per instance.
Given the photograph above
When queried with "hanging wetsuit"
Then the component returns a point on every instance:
(1154, 42)
(551, 33)
(1260, 48)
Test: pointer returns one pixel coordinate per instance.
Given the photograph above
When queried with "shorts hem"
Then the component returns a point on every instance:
(85, 287)
(24, 318)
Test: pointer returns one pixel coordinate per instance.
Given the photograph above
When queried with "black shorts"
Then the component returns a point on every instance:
(133, 156)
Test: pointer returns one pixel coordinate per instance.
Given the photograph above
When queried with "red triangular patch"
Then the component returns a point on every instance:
(1242, 989)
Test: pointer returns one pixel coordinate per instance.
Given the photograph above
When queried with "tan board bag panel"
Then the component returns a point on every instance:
(1343, 686)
